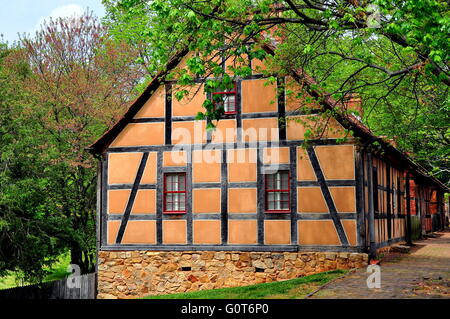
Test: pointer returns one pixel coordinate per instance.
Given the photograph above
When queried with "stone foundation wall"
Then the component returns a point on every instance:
(133, 274)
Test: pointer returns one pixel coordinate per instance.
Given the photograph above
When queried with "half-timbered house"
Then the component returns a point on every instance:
(180, 208)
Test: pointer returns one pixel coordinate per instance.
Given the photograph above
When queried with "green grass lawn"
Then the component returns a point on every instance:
(56, 272)
(289, 289)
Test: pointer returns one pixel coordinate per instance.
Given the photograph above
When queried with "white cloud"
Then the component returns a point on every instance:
(69, 10)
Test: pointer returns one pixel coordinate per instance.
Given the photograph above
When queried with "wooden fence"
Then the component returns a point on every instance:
(59, 289)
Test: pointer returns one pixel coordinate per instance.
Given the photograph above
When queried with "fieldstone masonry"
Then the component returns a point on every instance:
(133, 274)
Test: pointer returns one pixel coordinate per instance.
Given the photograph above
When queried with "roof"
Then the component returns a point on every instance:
(346, 120)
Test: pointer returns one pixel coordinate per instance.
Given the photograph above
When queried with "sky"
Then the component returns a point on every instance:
(25, 16)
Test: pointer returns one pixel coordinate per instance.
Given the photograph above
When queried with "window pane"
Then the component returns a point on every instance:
(181, 182)
(229, 103)
(277, 200)
(277, 181)
(176, 201)
(169, 202)
(182, 201)
(270, 201)
(269, 181)
(284, 180)
(169, 181)
(176, 184)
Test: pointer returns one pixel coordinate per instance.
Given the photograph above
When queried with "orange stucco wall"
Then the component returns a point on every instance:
(277, 232)
(276, 155)
(140, 134)
(305, 170)
(155, 106)
(298, 125)
(191, 103)
(259, 96)
(188, 132)
(317, 232)
(242, 200)
(175, 158)
(206, 166)
(224, 132)
(241, 165)
(206, 232)
(122, 167)
(137, 232)
(350, 230)
(337, 161)
(260, 129)
(311, 200)
(242, 232)
(145, 202)
(206, 200)
(344, 198)
(174, 231)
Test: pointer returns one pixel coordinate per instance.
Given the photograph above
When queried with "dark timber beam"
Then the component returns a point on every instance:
(104, 200)
(168, 114)
(388, 201)
(408, 211)
(371, 215)
(281, 108)
(224, 198)
(159, 197)
(327, 195)
(131, 199)
(360, 211)
(260, 193)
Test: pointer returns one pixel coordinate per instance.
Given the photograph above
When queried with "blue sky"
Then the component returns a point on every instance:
(19, 16)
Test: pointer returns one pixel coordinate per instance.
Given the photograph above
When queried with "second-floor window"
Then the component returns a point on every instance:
(175, 193)
(225, 99)
(277, 192)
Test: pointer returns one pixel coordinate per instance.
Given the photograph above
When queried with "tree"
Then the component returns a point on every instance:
(70, 81)
(394, 53)
(29, 231)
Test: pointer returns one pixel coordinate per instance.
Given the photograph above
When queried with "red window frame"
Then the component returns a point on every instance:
(267, 191)
(166, 192)
(234, 92)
